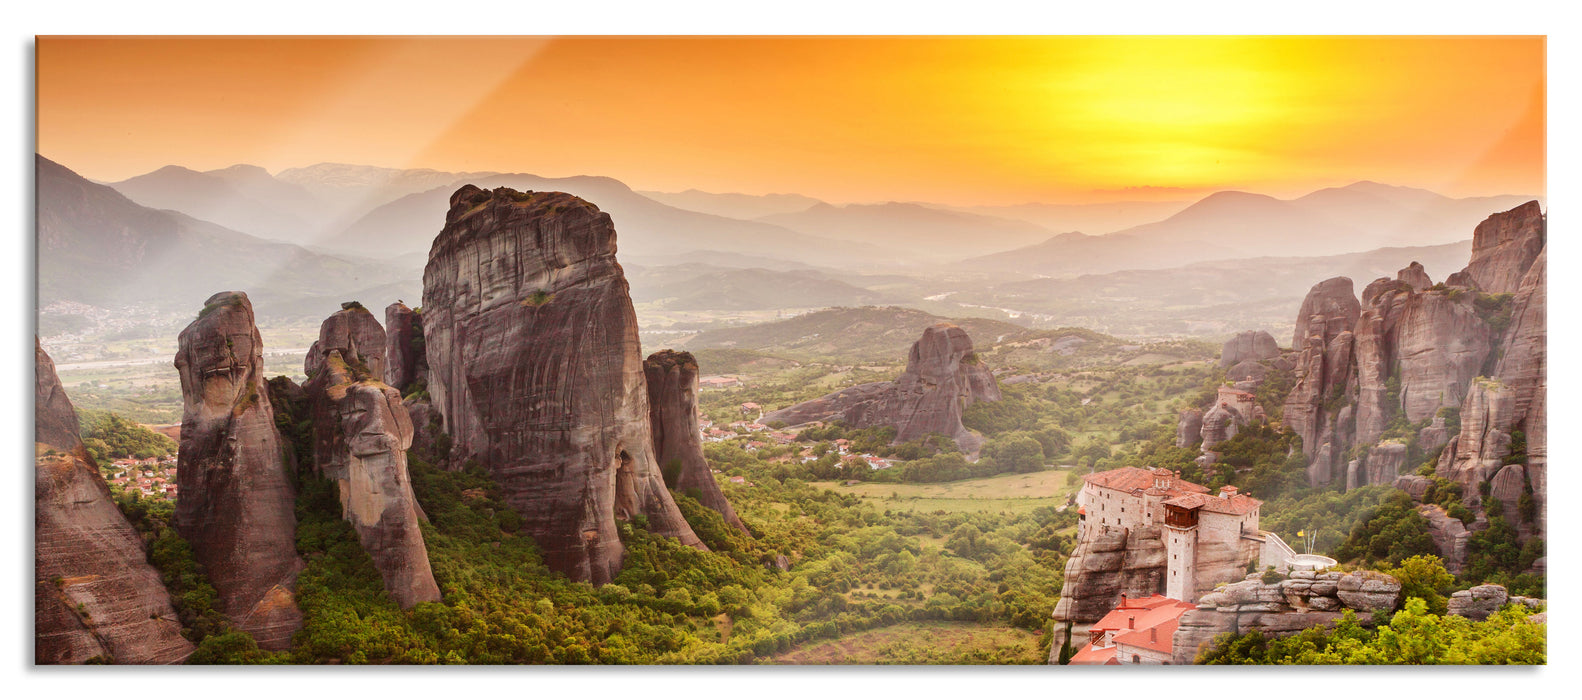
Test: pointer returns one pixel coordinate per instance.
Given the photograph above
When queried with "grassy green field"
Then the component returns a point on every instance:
(1013, 493)
(920, 643)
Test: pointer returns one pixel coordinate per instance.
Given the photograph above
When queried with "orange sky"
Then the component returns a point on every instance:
(952, 120)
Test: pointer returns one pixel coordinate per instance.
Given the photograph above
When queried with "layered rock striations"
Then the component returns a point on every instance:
(943, 377)
(361, 434)
(1305, 600)
(95, 595)
(236, 505)
(534, 364)
(678, 441)
(1324, 373)
(1504, 246)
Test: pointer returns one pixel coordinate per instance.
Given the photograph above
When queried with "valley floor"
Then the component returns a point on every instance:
(928, 642)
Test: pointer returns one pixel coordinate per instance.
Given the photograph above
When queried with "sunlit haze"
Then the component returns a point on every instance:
(950, 120)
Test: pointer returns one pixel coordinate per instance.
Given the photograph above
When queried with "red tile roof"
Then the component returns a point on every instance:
(1236, 505)
(1090, 655)
(1156, 638)
(1130, 479)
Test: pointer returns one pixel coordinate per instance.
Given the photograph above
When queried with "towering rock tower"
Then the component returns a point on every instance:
(943, 377)
(534, 364)
(678, 444)
(236, 505)
(361, 434)
(94, 593)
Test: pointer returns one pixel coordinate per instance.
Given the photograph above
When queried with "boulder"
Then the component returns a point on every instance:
(1507, 487)
(361, 435)
(534, 364)
(1504, 246)
(678, 441)
(1479, 602)
(94, 593)
(1248, 345)
(1368, 591)
(236, 504)
(943, 377)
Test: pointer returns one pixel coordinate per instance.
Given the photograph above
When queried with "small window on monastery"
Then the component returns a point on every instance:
(1134, 658)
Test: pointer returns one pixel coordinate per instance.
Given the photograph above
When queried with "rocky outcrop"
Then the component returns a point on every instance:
(1248, 345)
(1189, 427)
(1478, 602)
(1305, 600)
(1523, 367)
(1385, 462)
(405, 361)
(1441, 344)
(1221, 423)
(1504, 246)
(1476, 453)
(943, 377)
(534, 364)
(1106, 565)
(1435, 435)
(1450, 535)
(678, 442)
(1334, 303)
(1324, 371)
(236, 505)
(361, 434)
(1416, 276)
(94, 593)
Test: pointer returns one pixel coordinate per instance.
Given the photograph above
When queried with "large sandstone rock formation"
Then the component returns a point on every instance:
(361, 434)
(1505, 246)
(943, 377)
(405, 361)
(1324, 372)
(236, 505)
(1106, 565)
(1189, 427)
(1248, 345)
(678, 442)
(94, 593)
(534, 364)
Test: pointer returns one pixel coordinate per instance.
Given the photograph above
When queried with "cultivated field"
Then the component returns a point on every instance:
(1015, 493)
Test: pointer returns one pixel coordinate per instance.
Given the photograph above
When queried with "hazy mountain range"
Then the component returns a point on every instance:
(307, 238)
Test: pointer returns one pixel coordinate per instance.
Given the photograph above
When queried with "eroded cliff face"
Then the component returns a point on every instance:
(678, 442)
(1505, 246)
(361, 434)
(534, 364)
(943, 377)
(1412, 350)
(94, 593)
(236, 504)
(1248, 345)
(405, 361)
(1106, 565)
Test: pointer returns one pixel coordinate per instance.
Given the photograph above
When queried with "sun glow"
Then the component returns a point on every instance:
(964, 120)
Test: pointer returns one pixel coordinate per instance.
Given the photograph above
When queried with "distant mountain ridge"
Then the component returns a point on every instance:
(871, 333)
(1240, 225)
(96, 246)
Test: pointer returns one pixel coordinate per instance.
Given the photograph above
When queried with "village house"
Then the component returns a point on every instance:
(1135, 632)
(1210, 538)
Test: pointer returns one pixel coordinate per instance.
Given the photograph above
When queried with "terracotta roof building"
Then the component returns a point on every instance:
(1138, 631)
(1210, 537)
